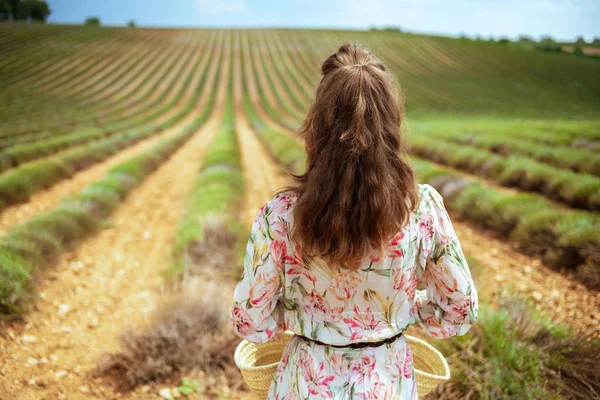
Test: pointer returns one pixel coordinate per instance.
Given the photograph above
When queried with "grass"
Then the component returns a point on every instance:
(577, 190)
(34, 244)
(514, 352)
(209, 225)
(191, 330)
(565, 238)
(19, 184)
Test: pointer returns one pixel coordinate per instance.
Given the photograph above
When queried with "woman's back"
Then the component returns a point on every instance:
(283, 290)
(337, 257)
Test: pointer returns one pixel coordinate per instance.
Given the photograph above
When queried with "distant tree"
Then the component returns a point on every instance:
(16, 9)
(4, 10)
(92, 21)
(391, 29)
(131, 23)
(20, 10)
(547, 39)
(596, 41)
(524, 39)
(504, 40)
(580, 41)
(37, 10)
(578, 51)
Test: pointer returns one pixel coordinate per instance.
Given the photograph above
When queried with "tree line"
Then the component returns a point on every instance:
(24, 10)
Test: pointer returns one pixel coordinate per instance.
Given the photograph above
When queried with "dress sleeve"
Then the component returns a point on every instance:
(448, 305)
(257, 313)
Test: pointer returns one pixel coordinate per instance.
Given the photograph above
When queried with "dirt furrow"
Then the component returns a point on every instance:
(256, 55)
(110, 283)
(272, 70)
(130, 82)
(252, 90)
(48, 199)
(262, 175)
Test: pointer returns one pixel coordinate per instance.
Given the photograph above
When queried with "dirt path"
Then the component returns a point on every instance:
(261, 174)
(110, 283)
(48, 199)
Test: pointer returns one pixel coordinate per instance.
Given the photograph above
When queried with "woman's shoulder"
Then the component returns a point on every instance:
(278, 207)
(429, 197)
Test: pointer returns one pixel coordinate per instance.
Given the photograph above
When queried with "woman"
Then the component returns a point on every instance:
(337, 258)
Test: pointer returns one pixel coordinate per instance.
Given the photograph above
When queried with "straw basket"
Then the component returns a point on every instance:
(258, 363)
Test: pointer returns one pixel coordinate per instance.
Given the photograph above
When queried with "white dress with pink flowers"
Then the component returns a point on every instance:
(379, 300)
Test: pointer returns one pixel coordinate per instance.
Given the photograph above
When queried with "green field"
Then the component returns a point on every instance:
(132, 161)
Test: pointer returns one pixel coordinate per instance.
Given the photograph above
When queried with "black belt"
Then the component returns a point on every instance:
(358, 345)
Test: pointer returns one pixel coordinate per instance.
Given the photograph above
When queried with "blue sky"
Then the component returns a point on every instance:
(563, 19)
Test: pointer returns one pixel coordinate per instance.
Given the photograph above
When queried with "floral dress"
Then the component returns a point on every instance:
(281, 291)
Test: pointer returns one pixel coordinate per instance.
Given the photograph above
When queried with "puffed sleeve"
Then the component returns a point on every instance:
(257, 314)
(448, 305)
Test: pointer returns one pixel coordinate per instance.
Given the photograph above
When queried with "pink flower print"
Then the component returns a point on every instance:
(363, 324)
(263, 291)
(260, 218)
(319, 309)
(406, 280)
(279, 228)
(334, 314)
(304, 359)
(392, 249)
(272, 334)
(379, 391)
(445, 231)
(344, 284)
(363, 369)
(426, 226)
(339, 364)
(242, 321)
(281, 366)
(411, 291)
(317, 382)
(434, 325)
(393, 362)
(400, 279)
(407, 366)
(281, 205)
(297, 267)
(460, 311)
(279, 252)
(443, 280)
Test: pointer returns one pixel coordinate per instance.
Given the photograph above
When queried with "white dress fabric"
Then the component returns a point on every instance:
(280, 290)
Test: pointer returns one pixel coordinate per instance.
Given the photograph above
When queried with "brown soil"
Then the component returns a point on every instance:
(48, 199)
(119, 94)
(261, 174)
(111, 282)
(253, 93)
(257, 52)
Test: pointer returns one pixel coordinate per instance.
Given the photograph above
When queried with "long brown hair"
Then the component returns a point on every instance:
(357, 191)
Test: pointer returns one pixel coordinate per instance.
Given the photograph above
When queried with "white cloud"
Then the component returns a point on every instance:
(221, 6)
